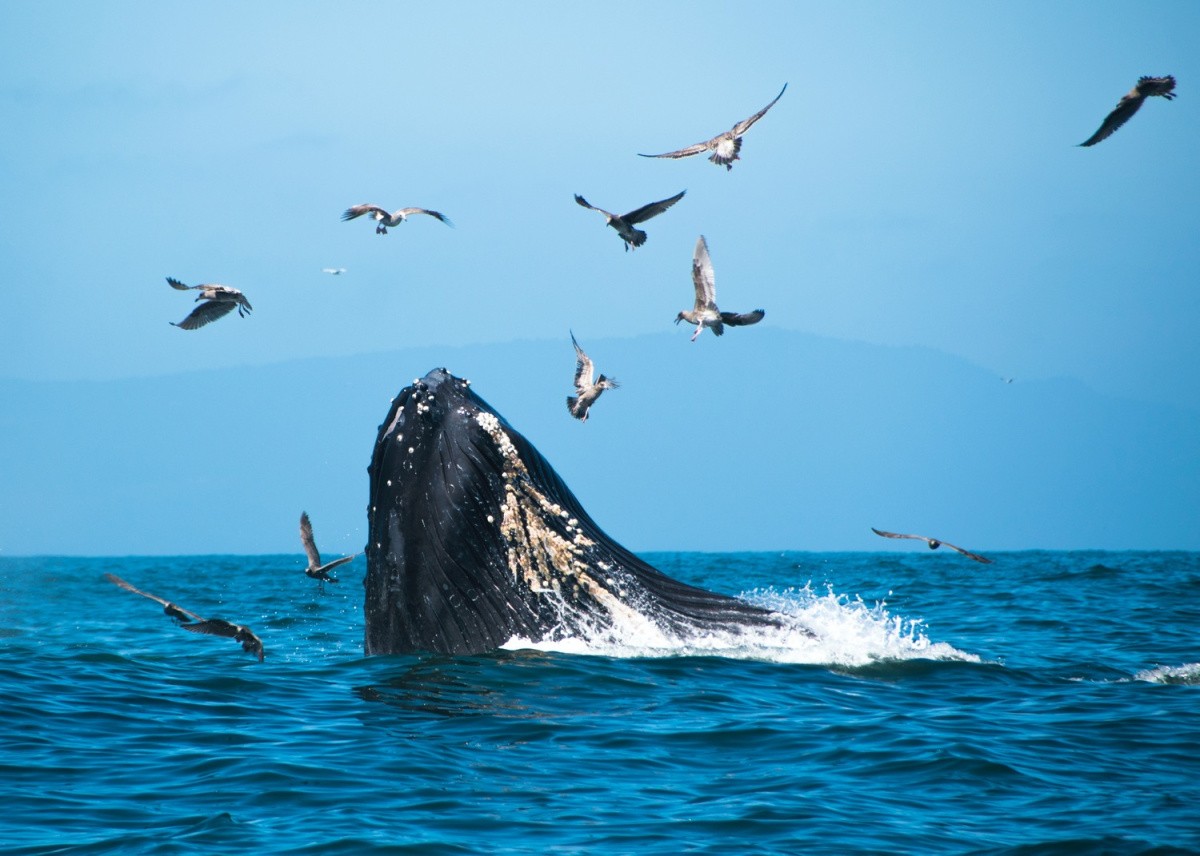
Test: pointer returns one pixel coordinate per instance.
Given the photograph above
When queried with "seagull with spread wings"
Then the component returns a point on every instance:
(220, 301)
(383, 219)
(1130, 103)
(189, 620)
(726, 145)
(934, 543)
(586, 392)
(624, 223)
(706, 313)
(315, 569)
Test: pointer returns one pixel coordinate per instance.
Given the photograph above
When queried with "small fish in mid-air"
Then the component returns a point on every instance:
(383, 219)
(624, 223)
(189, 620)
(934, 543)
(221, 300)
(706, 313)
(1130, 103)
(726, 145)
(315, 569)
(586, 392)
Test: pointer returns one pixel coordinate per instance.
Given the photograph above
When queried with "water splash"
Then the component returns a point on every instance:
(817, 629)
(1189, 673)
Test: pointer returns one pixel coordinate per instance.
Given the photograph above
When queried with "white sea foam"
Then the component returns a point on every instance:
(844, 632)
(1188, 673)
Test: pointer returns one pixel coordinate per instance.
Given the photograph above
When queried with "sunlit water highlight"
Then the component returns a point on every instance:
(1045, 704)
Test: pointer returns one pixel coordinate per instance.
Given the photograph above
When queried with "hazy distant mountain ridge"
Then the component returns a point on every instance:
(775, 440)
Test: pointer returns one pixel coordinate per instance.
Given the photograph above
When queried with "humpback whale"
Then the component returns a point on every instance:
(474, 540)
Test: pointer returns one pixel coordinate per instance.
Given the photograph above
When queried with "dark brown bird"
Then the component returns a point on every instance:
(705, 312)
(624, 223)
(586, 392)
(934, 543)
(315, 569)
(383, 219)
(1130, 103)
(189, 620)
(221, 300)
(726, 145)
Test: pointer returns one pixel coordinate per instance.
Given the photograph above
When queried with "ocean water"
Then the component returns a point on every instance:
(1048, 703)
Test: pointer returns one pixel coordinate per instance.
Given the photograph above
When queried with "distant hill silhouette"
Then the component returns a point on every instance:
(769, 440)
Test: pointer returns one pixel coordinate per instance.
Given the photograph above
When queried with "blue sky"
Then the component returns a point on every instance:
(917, 185)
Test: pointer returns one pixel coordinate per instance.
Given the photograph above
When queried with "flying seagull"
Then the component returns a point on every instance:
(333, 271)
(934, 543)
(586, 392)
(189, 620)
(1130, 103)
(624, 223)
(315, 569)
(724, 146)
(221, 300)
(383, 219)
(706, 314)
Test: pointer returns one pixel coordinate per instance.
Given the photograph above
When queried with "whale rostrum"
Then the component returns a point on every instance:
(475, 541)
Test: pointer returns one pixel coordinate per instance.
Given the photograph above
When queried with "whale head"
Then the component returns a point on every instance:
(474, 540)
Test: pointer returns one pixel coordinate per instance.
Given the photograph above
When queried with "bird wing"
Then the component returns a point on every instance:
(743, 319)
(214, 627)
(900, 535)
(583, 368)
(205, 313)
(652, 210)
(1118, 117)
(359, 210)
(228, 630)
(688, 152)
(744, 125)
(176, 284)
(115, 580)
(579, 199)
(306, 538)
(343, 560)
(438, 215)
(968, 553)
(702, 277)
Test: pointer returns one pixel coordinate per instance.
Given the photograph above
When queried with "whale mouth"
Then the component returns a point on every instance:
(474, 541)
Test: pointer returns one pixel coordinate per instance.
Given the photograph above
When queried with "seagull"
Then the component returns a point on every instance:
(221, 301)
(724, 146)
(333, 271)
(586, 392)
(706, 313)
(315, 569)
(383, 219)
(934, 543)
(624, 223)
(1130, 103)
(189, 620)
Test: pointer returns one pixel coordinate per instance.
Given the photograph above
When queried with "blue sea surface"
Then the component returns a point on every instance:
(1047, 703)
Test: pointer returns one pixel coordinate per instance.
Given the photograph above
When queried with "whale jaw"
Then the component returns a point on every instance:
(475, 541)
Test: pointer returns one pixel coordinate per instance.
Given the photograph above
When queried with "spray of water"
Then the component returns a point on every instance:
(814, 628)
